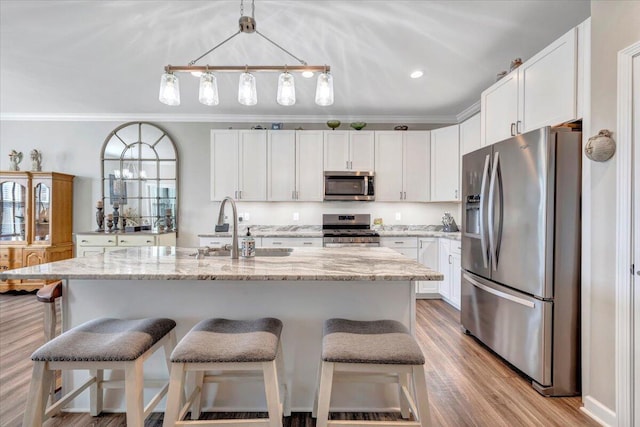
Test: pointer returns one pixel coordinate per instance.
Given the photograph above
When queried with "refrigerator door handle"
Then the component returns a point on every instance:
(483, 187)
(492, 194)
(498, 293)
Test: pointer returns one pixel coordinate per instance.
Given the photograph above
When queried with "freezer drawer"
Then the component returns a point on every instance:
(514, 325)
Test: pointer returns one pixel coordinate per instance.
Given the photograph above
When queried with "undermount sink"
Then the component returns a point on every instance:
(260, 252)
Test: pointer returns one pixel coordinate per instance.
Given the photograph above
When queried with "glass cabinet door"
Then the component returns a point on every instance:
(13, 212)
(42, 213)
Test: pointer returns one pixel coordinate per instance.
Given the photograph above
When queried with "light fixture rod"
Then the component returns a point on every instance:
(281, 48)
(243, 68)
(213, 48)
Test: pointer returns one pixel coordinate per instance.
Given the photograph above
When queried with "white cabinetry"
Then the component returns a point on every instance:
(402, 162)
(93, 243)
(239, 164)
(348, 150)
(292, 242)
(294, 165)
(541, 92)
(449, 265)
(428, 256)
(470, 135)
(445, 163)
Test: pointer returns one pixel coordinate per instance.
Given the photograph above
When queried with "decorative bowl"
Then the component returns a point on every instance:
(358, 125)
(401, 127)
(333, 124)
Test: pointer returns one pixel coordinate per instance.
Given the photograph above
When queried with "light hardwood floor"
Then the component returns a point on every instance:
(468, 385)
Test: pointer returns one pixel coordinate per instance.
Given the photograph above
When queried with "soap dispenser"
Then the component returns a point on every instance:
(248, 247)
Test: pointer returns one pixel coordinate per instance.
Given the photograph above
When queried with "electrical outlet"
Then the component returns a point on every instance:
(246, 216)
(398, 216)
(296, 216)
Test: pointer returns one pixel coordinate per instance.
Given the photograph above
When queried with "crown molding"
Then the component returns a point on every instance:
(225, 118)
(468, 112)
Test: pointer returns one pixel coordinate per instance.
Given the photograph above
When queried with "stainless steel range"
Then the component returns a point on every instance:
(339, 230)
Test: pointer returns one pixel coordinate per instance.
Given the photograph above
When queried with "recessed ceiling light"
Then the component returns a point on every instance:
(416, 74)
(307, 74)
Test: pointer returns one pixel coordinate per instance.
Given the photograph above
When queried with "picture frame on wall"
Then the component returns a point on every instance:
(117, 190)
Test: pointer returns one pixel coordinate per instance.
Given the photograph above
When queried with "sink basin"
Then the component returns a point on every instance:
(260, 252)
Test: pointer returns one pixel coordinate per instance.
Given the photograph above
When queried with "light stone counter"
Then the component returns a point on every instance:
(303, 290)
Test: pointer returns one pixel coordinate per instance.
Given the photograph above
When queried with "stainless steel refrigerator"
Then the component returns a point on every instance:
(521, 254)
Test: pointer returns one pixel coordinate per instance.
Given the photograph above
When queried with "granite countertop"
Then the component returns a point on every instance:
(171, 263)
(316, 231)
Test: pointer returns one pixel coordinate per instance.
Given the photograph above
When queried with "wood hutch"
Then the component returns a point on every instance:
(36, 219)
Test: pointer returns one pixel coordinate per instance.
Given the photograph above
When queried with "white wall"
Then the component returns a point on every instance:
(614, 26)
(74, 148)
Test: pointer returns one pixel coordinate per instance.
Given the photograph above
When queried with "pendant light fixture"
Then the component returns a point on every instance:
(247, 93)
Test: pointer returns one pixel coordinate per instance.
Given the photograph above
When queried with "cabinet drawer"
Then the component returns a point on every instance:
(455, 246)
(132, 240)
(95, 240)
(215, 242)
(399, 242)
(292, 242)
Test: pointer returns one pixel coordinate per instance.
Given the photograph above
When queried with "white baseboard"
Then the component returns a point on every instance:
(598, 412)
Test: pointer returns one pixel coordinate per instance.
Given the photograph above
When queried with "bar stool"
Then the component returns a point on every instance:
(48, 295)
(235, 350)
(97, 345)
(372, 351)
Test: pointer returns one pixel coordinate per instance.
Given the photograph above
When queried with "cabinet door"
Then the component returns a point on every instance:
(456, 280)
(224, 164)
(253, 165)
(548, 84)
(470, 135)
(428, 256)
(167, 239)
(292, 242)
(445, 163)
(389, 169)
(136, 240)
(417, 166)
(309, 166)
(499, 109)
(362, 157)
(336, 150)
(444, 267)
(281, 165)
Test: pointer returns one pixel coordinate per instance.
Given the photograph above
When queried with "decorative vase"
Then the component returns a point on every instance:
(601, 147)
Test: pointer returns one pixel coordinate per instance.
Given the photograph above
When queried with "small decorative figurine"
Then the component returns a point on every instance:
(36, 160)
(110, 222)
(116, 215)
(15, 157)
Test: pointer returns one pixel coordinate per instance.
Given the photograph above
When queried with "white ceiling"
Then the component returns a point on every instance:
(103, 59)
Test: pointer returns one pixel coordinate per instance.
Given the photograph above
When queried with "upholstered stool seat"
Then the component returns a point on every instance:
(365, 349)
(95, 346)
(223, 345)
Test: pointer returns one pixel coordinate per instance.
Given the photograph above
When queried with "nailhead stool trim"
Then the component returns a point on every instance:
(116, 344)
(235, 350)
(372, 351)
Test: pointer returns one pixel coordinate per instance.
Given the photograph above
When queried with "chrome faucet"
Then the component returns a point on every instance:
(234, 242)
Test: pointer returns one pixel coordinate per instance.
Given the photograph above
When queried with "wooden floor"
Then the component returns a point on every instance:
(468, 385)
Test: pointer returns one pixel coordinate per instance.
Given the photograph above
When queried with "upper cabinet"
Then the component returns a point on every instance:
(294, 165)
(402, 161)
(541, 92)
(348, 150)
(239, 164)
(445, 164)
(470, 135)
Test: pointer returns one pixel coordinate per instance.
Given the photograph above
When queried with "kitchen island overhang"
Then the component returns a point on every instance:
(302, 289)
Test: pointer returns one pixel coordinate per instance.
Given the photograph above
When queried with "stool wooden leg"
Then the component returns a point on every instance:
(196, 407)
(422, 396)
(286, 400)
(96, 392)
(314, 411)
(49, 334)
(38, 395)
(324, 393)
(404, 404)
(176, 388)
(134, 392)
(272, 392)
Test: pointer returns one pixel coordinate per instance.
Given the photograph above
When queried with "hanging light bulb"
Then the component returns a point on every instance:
(169, 89)
(286, 89)
(247, 94)
(208, 93)
(324, 89)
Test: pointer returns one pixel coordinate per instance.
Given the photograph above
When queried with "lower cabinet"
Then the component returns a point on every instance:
(428, 256)
(97, 243)
(449, 254)
(27, 256)
(292, 242)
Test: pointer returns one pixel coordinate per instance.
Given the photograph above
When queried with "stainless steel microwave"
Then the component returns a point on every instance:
(342, 185)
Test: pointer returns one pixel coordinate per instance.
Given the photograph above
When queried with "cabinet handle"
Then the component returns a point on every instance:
(518, 123)
(398, 243)
(513, 125)
(276, 243)
(405, 195)
(307, 243)
(420, 244)
(456, 194)
(149, 241)
(347, 166)
(84, 241)
(235, 194)
(401, 195)
(123, 241)
(293, 195)
(450, 262)
(109, 241)
(297, 195)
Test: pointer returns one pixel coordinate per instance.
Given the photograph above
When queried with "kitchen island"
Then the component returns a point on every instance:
(302, 289)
